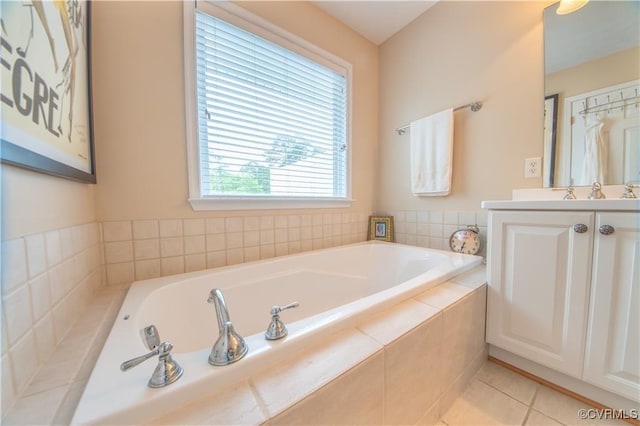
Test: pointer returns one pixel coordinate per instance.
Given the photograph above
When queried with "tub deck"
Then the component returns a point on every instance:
(115, 397)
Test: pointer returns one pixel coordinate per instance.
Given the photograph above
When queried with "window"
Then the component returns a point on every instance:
(271, 121)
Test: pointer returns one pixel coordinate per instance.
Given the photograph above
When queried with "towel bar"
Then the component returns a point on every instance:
(474, 106)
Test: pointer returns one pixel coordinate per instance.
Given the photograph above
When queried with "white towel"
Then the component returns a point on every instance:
(432, 154)
(594, 168)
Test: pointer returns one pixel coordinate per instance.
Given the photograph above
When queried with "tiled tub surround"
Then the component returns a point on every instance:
(422, 352)
(405, 365)
(48, 280)
(141, 249)
(432, 228)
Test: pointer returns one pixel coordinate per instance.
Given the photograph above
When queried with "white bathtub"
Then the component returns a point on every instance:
(334, 287)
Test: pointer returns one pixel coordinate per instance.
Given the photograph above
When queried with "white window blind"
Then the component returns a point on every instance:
(271, 122)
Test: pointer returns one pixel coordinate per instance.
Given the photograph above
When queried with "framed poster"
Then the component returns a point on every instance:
(45, 96)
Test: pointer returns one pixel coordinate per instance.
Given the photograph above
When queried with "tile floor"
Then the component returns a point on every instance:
(498, 396)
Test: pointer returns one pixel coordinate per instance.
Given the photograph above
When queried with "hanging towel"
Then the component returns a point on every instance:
(595, 154)
(432, 154)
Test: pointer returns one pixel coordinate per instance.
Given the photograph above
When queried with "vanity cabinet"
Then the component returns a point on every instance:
(612, 354)
(564, 292)
(539, 271)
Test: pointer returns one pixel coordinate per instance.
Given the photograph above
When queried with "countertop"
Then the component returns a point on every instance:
(630, 205)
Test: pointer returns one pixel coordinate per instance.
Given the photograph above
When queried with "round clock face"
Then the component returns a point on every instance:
(465, 241)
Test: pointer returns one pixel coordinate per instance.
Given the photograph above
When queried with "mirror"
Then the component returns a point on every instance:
(592, 88)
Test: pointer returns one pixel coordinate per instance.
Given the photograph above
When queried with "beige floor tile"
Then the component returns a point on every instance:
(536, 418)
(507, 381)
(565, 409)
(480, 404)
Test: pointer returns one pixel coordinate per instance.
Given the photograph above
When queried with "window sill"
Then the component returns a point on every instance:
(266, 203)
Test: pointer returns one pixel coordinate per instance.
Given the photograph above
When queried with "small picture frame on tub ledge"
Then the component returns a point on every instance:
(381, 228)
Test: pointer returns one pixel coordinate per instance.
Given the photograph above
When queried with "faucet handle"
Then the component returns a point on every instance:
(628, 191)
(596, 192)
(570, 195)
(276, 329)
(167, 371)
(275, 310)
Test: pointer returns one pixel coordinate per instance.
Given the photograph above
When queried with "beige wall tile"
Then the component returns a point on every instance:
(16, 308)
(235, 406)
(171, 228)
(413, 377)
(452, 390)
(392, 323)
(233, 224)
(458, 340)
(195, 262)
(40, 296)
(116, 231)
(23, 361)
(251, 223)
(474, 278)
(216, 242)
(251, 239)
(300, 374)
(146, 249)
(172, 265)
(215, 225)
(14, 264)
(120, 273)
(194, 244)
(216, 259)
(45, 338)
(171, 246)
(47, 403)
(444, 295)
(149, 268)
(36, 254)
(281, 222)
(145, 229)
(354, 398)
(235, 256)
(194, 227)
(53, 247)
(251, 254)
(68, 405)
(8, 394)
(118, 251)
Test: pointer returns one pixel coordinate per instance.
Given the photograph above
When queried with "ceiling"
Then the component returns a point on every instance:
(375, 20)
(598, 29)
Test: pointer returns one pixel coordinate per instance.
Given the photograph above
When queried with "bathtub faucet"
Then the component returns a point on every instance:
(230, 346)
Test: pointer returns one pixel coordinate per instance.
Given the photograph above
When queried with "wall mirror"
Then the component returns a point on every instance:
(592, 88)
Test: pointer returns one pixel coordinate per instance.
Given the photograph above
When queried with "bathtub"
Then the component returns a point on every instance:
(335, 288)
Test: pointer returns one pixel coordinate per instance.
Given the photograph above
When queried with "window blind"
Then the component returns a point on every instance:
(271, 122)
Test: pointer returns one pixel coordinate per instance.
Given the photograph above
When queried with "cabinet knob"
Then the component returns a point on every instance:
(580, 228)
(607, 229)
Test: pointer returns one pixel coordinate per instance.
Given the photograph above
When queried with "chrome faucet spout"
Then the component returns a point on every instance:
(230, 346)
(222, 313)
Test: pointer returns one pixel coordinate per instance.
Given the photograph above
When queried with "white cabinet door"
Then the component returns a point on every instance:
(612, 358)
(539, 272)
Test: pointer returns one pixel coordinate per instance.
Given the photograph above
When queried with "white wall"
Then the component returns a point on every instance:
(456, 53)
